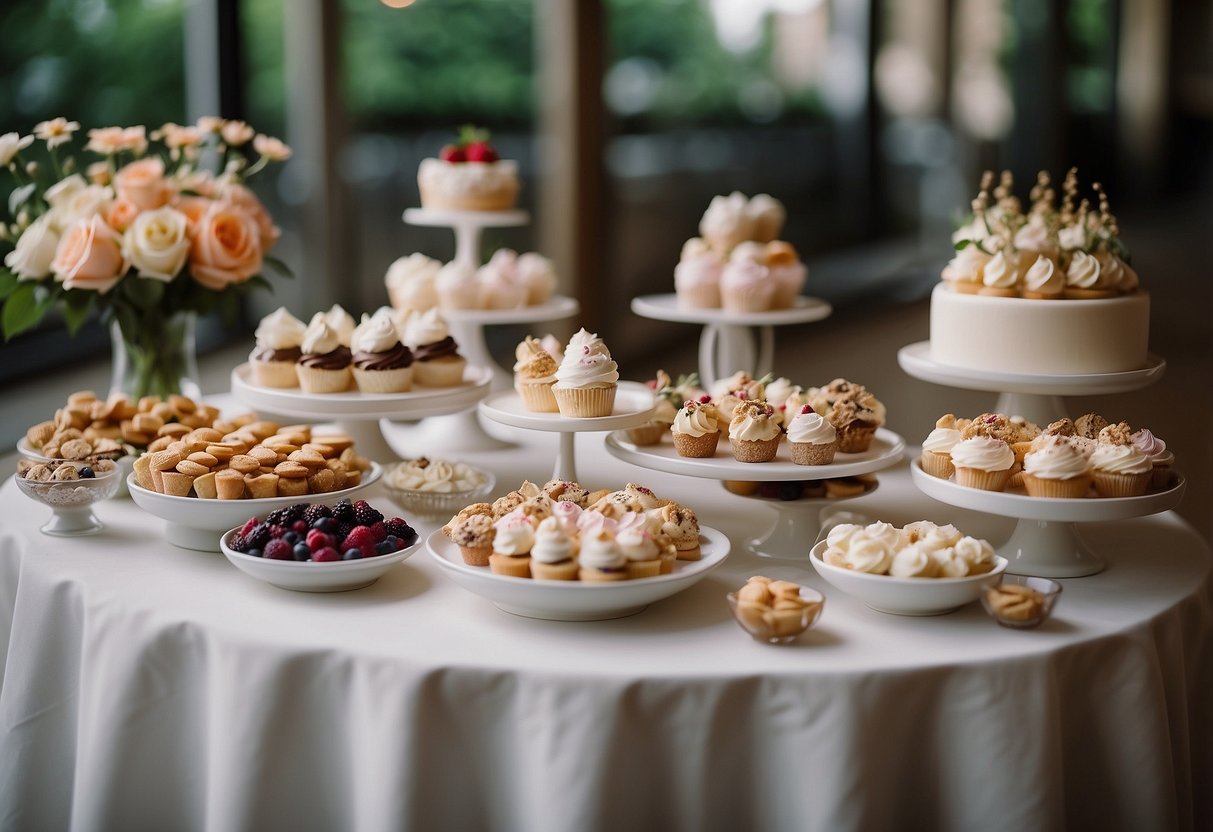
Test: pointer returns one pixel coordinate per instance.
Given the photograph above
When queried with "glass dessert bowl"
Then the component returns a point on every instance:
(1020, 601)
(70, 496)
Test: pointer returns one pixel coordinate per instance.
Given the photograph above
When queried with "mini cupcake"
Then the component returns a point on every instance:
(727, 222)
(279, 338)
(697, 275)
(600, 559)
(513, 540)
(1160, 457)
(473, 534)
(1000, 277)
(754, 433)
(681, 526)
(745, 283)
(534, 375)
(498, 279)
(1043, 280)
(786, 272)
(552, 556)
(853, 411)
(538, 275)
(641, 552)
(983, 462)
(1056, 468)
(811, 439)
(456, 287)
(696, 429)
(741, 388)
(767, 216)
(410, 283)
(1120, 470)
(437, 362)
(324, 364)
(668, 397)
(587, 378)
(381, 364)
(936, 456)
(342, 323)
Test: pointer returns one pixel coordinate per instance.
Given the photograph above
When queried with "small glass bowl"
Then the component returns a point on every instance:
(440, 505)
(779, 627)
(1026, 615)
(71, 500)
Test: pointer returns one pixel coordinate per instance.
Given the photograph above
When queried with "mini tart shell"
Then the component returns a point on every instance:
(755, 450)
(807, 453)
(696, 447)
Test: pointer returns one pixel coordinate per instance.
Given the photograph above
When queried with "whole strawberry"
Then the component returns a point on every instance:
(481, 152)
(452, 153)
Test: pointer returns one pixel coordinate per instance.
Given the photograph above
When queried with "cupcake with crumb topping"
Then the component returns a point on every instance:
(754, 434)
(534, 375)
(1056, 468)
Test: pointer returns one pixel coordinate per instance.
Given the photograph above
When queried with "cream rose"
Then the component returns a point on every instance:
(157, 243)
(31, 259)
(80, 205)
(58, 194)
(89, 256)
(120, 213)
(226, 246)
(143, 183)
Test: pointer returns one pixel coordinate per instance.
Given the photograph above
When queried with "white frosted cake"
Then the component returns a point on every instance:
(1046, 292)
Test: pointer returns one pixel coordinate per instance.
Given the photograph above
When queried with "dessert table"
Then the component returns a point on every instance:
(150, 687)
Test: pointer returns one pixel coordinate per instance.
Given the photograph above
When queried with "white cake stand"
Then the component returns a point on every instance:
(634, 405)
(795, 527)
(468, 226)
(359, 414)
(1035, 397)
(1045, 542)
(727, 342)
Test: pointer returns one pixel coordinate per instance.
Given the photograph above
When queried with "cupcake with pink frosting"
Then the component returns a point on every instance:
(745, 282)
(697, 275)
(1160, 458)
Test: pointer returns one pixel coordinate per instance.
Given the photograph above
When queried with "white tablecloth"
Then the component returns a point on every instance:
(148, 687)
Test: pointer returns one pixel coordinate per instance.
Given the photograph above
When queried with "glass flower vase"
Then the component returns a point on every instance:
(157, 359)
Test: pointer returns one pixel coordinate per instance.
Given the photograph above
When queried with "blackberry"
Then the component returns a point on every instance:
(314, 512)
(365, 515)
(257, 538)
(397, 527)
(343, 529)
(344, 511)
(280, 517)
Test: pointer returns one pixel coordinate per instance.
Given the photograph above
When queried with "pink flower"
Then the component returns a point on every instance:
(89, 256)
(110, 140)
(226, 246)
(236, 132)
(56, 131)
(120, 213)
(143, 183)
(242, 197)
(273, 149)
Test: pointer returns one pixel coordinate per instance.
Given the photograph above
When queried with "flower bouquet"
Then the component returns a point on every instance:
(149, 230)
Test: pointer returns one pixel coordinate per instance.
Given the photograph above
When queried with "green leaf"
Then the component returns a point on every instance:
(76, 308)
(20, 196)
(8, 284)
(278, 266)
(961, 245)
(24, 309)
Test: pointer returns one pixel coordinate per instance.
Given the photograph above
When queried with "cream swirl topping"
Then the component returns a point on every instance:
(931, 535)
(967, 265)
(1000, 273)
(702, 268)
(811, 428)
(587, 363)
(320, 337)
(983, 453)
(1120, 459)
(599, 551)
(1072, 237)
(753, 424)
(840, 536)
(914, 561)
(567, 514)
(1083, 272)
(467, 177)
(637, 544)
(434, 475)
(1044, 277)
(552, 543)
(280, 330)
(941, 440)
(951, 563)
(378, 334)
(1153, 447)
(1056, 461)
(727, 217)
(978, 553)
(515, 535)
(867, 553)
(341, 322)
(1034, 236)
(429, 327)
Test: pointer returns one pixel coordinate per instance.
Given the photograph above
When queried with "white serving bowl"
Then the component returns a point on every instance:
(573, 600)
(308, 576)
(195, 523)
(906, 596)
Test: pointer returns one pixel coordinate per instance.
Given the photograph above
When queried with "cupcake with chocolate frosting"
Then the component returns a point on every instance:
(324, 366)
(381, 363)
(436, 355)
(279, 337)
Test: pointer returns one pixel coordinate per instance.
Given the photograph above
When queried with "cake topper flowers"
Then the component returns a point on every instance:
(140, 227)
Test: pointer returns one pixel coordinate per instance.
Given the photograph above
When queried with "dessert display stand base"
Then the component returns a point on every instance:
(1046, 543)
(728, 343)
(634, 405)
(797, 522)
(363, 415)
(1034, 397)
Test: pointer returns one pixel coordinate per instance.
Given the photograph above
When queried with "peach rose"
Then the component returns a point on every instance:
(226, 246)
(89, 256)
(121, 213)
(242, 197)
(143, 183)
(194, 207)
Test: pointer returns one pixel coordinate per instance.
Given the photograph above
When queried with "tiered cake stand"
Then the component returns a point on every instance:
(634, 405)
(1045, 542)
(727, 343)
(1036, 397)
(462, 431)
(359, 414)
(797, 522)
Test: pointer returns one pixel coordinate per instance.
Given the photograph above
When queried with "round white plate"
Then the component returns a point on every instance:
(1019, 504)
(905, 596)
(431, 218)
(886, 450)
(916, 360)
(306, 576)
(194, 523)
(667, 308)
(557, 308)
(573, 600)
(634, 405)
(415, 404)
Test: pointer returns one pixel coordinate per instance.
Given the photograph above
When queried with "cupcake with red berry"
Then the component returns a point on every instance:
(696, 429)
(468, 176)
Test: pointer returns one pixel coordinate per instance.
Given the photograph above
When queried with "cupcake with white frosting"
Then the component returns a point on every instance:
(936, 456)
(812, 440)
(983, 462)
(1160, 458)
(279, 341)
(746, 284)
(538, 275)
(600, 560)
(1056, 468)
(1120, 470)
(696, 429)
(697, 275)
(410, 283)
(587, 378)
(500, 284)
(512, 544)
(727, 222)
(640, 551)
(456, 287)
(553, 553)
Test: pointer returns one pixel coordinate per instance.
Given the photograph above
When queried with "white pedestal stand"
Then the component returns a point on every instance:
(634, 405)
(727, 343)
(1045, 542)
(798, 522)
(1034, 397)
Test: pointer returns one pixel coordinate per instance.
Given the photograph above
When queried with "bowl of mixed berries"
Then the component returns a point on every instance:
(312, 547)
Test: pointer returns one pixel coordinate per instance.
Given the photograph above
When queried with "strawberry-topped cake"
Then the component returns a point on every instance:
(468, 176)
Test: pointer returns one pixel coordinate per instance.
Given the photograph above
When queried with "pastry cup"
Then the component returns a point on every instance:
(278, 374)
(564, 571)
(856, 437)
(937, 464)
(696, 447)
(585, 402)
(476, 555)
(317, 380)
(807, 453)
(399, 380)
(649, 433)
(514, 566)
(440, 372)
(1108, 484)
(601, 576)
(1066, 488)
(537, 396)
(700, 296)
(746, 300)
(755, 450)
(984, 480)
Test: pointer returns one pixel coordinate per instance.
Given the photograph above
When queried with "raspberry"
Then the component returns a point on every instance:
(278, 550)
(379, 531)
(277, 531)
(364, 515)
(481, 152)
(360, 537)
(314, 512)
(452, 153)
(299, 527)
(247, 527)
(344, 511)
(325, 554)
(318, 540)
(399, 528)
